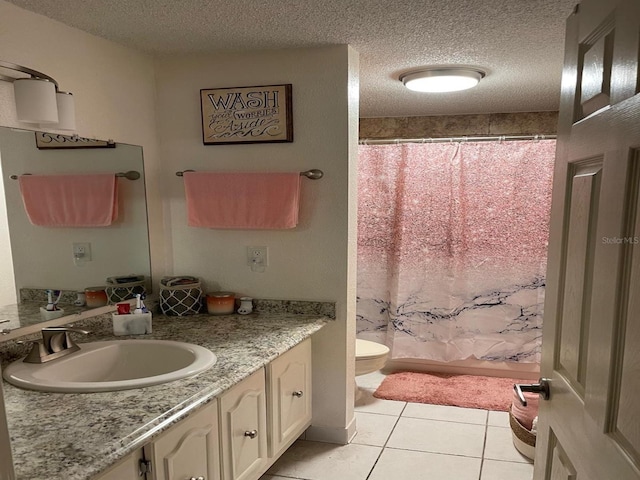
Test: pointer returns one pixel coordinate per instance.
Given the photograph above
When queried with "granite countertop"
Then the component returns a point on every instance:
(76, 436)
(25, 314)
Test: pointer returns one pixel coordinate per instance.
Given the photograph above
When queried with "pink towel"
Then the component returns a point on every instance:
(242, 200)
(525, 415)
(70, 200)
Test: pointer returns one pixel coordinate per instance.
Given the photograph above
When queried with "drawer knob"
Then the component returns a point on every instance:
(251, 433)
(196, 478)
(297, 393)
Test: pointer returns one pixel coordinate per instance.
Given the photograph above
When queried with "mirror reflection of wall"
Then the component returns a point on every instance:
(8, 294)
(42, 257)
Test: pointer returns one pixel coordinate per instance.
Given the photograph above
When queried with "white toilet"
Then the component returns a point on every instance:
(370, 356)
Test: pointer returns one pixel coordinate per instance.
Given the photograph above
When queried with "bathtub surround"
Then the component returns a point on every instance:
(452, 248)
(520, 123)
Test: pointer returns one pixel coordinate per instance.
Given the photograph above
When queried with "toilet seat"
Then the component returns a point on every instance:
(370, 356)
(366, 349)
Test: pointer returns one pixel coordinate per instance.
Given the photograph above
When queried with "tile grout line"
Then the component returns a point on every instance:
(386, 441)
(484, 446)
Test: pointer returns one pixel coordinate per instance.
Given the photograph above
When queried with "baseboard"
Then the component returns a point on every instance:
(526, 371)
(341, 436)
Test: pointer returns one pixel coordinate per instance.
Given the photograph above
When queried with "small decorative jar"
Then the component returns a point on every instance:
(221, 303)
(95, 297)
(246, 306)
(81, 299)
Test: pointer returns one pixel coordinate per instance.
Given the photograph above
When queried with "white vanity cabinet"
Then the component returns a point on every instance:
(126, 469)
(236, 436)
(190, 449)
(289, 397)
(243, 429)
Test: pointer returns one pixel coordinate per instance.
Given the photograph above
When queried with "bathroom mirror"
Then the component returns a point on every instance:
(39, 258)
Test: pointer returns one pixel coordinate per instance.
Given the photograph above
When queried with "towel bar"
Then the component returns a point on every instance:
(313, 174)
(130, 175)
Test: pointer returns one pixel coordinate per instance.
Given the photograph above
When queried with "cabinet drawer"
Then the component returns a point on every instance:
(289, 392)
(243, 427)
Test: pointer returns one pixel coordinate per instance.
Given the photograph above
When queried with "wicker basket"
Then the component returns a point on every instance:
(177, 297)
(119, 289)
(523, 439)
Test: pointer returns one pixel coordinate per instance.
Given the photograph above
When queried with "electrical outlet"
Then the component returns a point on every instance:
(81, 252)
(257, 258)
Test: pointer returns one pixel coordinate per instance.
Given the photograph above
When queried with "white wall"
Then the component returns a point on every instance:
(113, 87)
(8, 294)
(115, 94)
(314, 261)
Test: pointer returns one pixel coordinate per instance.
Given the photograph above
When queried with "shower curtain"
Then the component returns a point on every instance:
(452, 244)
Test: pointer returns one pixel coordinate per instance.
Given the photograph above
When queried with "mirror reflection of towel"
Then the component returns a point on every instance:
(89, 200)
(242, 200)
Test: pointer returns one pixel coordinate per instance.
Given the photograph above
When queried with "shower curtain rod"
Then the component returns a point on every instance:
(497, 138)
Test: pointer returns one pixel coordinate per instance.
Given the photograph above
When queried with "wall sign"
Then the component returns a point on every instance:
(246, 114)
(54, 140)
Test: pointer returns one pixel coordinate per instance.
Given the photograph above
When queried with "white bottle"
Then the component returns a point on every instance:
(246, 306)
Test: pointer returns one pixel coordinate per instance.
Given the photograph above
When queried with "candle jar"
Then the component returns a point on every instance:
(95, 297)
(221, 303)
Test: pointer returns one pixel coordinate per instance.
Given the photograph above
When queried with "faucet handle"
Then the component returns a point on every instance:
(57, 339)
(66, 329)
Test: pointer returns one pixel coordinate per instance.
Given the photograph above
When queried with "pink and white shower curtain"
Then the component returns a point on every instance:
(452, 245)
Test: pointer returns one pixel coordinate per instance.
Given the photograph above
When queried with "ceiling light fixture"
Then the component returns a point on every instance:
(442, 79)
(38, 98)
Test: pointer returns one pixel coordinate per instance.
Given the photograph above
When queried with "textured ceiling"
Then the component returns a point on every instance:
(519, 43)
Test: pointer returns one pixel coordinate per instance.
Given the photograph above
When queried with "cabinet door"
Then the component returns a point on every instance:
(289, 389)
(190, 449)
(243, 427)
(126, 469)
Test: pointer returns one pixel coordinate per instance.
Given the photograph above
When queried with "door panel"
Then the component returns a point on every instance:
(560, 467)
(574, 319)
(243, 424)
(627, 420)
(597, 62)
(189, 449)
(289, 387)
(590, 427)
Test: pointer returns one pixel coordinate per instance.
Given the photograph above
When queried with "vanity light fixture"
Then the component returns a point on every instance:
(38, 97)
(442, 79)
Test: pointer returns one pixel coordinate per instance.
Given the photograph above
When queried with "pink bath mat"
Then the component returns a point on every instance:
(470, 391)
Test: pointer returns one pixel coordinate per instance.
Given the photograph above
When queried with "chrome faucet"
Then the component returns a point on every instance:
(56, 342)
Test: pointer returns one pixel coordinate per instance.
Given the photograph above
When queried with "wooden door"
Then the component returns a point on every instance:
(243, 427)
(590, 427)
(190, 449)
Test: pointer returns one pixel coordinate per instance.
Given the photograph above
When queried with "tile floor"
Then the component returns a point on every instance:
(410, 441)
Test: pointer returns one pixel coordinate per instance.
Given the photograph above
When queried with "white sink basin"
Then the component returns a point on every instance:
(113, 365)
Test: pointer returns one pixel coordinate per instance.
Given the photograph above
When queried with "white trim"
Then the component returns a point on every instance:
(527, 371)
(341, 436)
